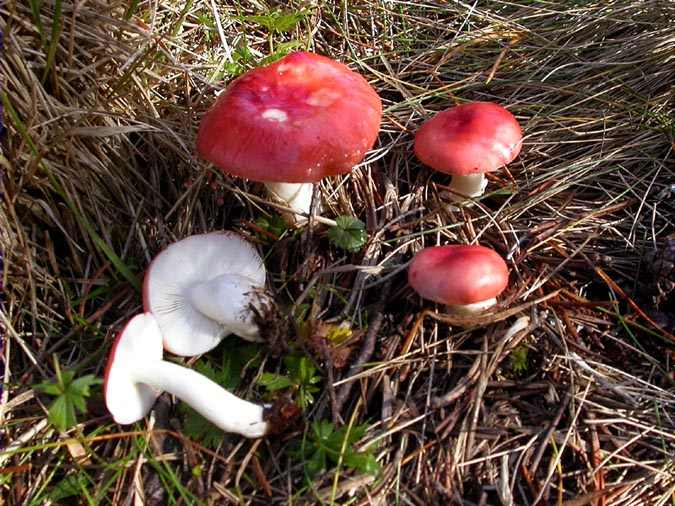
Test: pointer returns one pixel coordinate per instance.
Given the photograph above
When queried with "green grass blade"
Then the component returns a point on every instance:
(54, 40)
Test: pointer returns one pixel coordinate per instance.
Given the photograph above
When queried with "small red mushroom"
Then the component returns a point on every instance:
(291, 123)
(468, 140)
(466, 278)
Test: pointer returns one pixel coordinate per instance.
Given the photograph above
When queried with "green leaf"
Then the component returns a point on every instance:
(273, 224)
(62, 413)
(275, 21)
(273, 382)
(322, 429)
(81, 385)
(71, 485)
(77, 402)
(70, 397)
(303, 375)
(48, 388)
(364, 462)
(349, 234)
(325, 443)
(316, 463)
(195, 426)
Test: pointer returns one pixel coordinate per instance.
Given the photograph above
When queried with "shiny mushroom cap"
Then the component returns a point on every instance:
(297, 120)
(458, 275)
(469, 139)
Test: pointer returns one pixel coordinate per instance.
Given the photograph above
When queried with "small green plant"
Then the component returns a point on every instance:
(326, 445)
(349, 233)
(274, 224)
(70, 396)
(519, 360)
(227, 375)
(281, 50)
(208, 25)
(241, 57)
(73, 485)
(302, 377)
(277, 21)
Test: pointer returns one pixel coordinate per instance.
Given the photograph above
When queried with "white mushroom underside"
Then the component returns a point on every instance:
(182, 293)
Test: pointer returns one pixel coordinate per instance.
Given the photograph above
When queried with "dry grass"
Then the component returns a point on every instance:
(575, 405)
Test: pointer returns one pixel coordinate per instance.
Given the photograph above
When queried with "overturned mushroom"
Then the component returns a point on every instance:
(202, 288)
(136, 374)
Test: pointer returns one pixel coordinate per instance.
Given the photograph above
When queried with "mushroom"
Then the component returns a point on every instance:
(465, 278)
(202, 288)
(136, 375)
(291, 123)
(466, 141)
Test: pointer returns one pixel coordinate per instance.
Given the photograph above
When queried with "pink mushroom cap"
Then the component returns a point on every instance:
(469, 139)
(297, 120)
(458, 274)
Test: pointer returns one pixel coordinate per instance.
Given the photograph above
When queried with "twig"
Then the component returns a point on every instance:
(367, 348)
(330, 371)
(544, 442)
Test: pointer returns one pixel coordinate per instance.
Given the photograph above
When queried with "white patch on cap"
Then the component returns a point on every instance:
(323, 97)
(504, 152)
(275, 115)
(295, 69)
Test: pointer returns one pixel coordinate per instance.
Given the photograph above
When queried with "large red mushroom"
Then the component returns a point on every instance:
(291, 123)
(468, 140)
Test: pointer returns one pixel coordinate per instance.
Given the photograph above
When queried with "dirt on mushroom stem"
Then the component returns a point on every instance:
(274, 326)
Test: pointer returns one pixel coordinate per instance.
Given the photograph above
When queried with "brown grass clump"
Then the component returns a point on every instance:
(564, 394)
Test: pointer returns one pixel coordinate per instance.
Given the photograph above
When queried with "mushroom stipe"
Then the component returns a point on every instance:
(136, 375)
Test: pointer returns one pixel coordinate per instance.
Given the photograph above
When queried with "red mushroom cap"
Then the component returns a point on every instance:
(458, 274)
(469, 139)
(297, 120)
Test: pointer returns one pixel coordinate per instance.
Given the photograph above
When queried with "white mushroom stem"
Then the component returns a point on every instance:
(210, 400)
(296, 195)
(469, 309)
(472, 185)
(226, 299)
